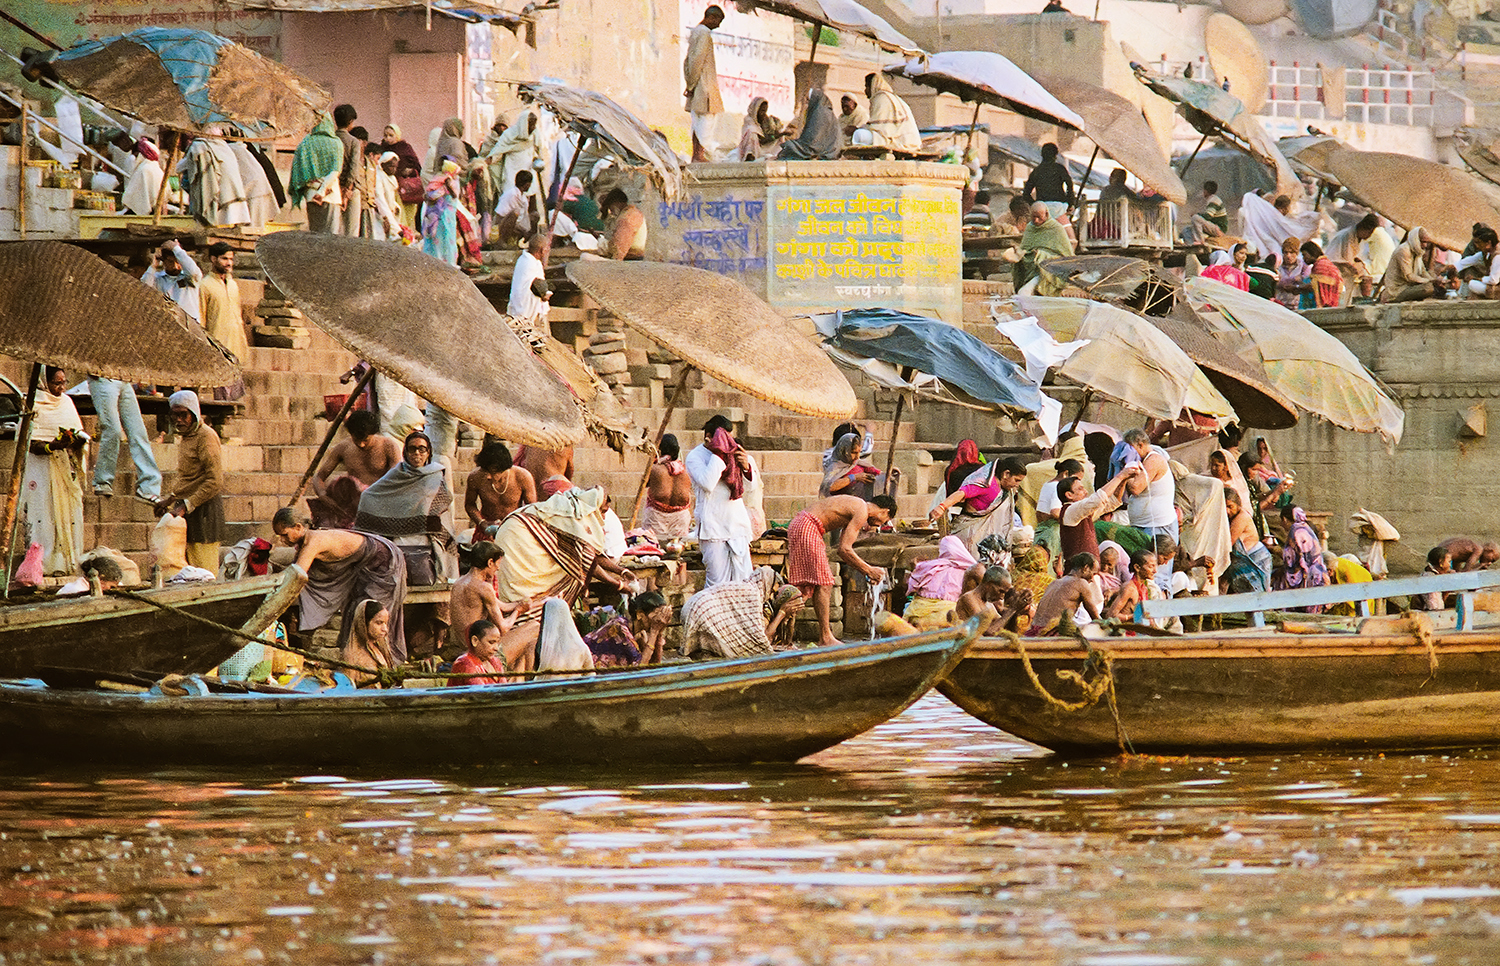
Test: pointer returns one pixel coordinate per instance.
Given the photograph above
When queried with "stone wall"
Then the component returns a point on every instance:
(1442, 362)
(812, 236)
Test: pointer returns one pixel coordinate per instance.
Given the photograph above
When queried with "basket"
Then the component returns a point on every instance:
(94, 200)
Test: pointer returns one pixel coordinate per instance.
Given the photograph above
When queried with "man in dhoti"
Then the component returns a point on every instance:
(701, 80)
(343, 568)
(669, 494)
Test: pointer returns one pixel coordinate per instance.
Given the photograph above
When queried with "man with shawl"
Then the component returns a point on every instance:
(197, 490)
(852, 117)
(700, 77)
(315, 177)
(820, 139)
(721, 473)
(386, 223)
(986, 502)
(1043, 240)
(211, 175)
(729, 620)
(845, 473)
(1327, 283)
(669, 494)
(144, 183)
(514, 151)
(261, 191)
(1265, 226)
(761, 132)
(1412, 274)
(891, 123)
(412, 504)
(935, 585)
(52, 488)
(552, 549)
(1302, 556)
(344, 568)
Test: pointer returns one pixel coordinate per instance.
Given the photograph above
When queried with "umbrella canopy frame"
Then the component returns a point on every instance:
(593, 115)
(875, 28)
(940, 72)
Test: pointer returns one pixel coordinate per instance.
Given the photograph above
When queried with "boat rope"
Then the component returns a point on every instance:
(1421, 629)
(1102, 686)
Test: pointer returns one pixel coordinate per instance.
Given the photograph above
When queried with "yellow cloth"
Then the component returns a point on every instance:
(929, 613)
(1346, 571)
(223, 318)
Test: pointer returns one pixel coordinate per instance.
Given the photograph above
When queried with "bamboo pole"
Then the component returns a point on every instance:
(557, 208)
(17, 469)
(333, 429)
(890, 453)
(1191, 157)
(21, 173)
(166, 180)
(677, 391)
(1078, 199)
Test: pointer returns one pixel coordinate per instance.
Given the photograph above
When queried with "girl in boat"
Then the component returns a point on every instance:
(483, 657)
(369, 642)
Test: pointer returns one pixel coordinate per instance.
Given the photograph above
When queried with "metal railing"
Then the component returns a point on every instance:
(1373, 95)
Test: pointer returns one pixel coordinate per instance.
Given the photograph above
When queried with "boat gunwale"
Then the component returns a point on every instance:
(87, 608)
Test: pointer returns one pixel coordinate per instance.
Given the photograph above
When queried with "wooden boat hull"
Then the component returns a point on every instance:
(778, 707)
(1213, 693)
(122, 636)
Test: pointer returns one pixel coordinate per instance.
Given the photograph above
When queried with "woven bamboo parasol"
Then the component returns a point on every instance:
(1235, 54)
(424, 324)
(721, 327)
(1119, 128)
(594, 115)
(62, 306)
(1445, 200)
(1257, 403)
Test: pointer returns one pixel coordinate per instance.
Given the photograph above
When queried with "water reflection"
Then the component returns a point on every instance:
(934, 839)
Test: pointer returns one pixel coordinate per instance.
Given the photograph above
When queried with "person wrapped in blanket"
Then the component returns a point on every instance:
(740, 618)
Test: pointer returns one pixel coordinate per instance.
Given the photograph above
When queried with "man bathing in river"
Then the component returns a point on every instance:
(807, 560)
(996, 597)
(343, 568)
(1469, 555)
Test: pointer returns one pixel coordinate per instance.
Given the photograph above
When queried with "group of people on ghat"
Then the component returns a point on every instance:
(459, 199)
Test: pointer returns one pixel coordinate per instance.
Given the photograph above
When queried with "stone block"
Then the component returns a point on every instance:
(612, 364)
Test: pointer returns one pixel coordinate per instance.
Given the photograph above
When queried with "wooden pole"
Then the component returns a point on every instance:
(677, 391)
(1189, 163)
(557, 208)
(973, 124)
(17, 469)
(817, 35)
(890, 453)
(333, 429)
(166, 180)
(1078, 199)
(1083, 407)
(21, 181)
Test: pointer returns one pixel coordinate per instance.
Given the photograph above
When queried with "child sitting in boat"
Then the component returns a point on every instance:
(1139, 588)
(1439, 561)
(483, 657)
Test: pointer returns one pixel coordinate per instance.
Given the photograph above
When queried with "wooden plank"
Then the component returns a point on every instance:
(1343, 593)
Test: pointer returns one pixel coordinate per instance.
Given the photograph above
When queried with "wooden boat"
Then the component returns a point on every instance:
(1396, 684)
(123, 635)
(777, 707)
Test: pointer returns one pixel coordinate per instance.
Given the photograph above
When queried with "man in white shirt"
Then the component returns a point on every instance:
(1152, 499)
(513, 210)
(528, 285)
(1048, 505)
(723, 521)
(175, 275)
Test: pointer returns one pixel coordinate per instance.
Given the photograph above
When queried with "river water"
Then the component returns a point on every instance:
(932, 839)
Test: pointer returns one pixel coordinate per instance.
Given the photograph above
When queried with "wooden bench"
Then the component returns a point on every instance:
(1255, 604)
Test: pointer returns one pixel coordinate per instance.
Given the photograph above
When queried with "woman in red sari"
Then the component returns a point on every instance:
(1327, 283)
(1222, 269)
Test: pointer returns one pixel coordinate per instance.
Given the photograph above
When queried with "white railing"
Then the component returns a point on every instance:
(1372, 95)
(1123, 224)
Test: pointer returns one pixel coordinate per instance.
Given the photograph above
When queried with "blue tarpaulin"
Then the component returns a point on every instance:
(955, 357)
(189, 56)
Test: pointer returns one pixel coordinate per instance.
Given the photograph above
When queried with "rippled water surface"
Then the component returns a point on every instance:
(933, 839)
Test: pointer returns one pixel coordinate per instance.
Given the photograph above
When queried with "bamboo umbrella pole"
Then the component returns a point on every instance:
(1078, 199)
(677, 391)
(1189, 164)
(557, 208)
(166, 179)
(17, 469)
(354, 394)
(890, 453)
(973, 125)
(21, 179)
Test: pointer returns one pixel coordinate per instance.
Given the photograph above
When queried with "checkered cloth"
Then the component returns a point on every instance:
(726, 620)
(807, 558)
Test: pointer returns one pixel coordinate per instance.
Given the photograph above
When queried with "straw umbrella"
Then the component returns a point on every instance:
(1123, 356)
(1445, 200)
(1306, 364)
(719, 326)
(421, 322)
(53, 297)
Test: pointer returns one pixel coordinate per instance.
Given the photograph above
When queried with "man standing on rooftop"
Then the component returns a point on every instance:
(701, 80)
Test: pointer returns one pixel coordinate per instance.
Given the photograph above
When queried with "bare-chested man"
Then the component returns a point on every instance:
(365, 456)
(473, 597)
(1063, 597)
(552, 469)
(343, 568)
(495, 490)
(1468, 554)
(669, 494)
(807, 561)
(996, 597)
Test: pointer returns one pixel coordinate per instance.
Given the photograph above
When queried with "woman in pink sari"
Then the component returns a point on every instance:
(935, 585)
(1222, 269)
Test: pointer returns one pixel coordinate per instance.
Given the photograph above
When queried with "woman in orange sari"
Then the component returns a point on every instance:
(1327, 283)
